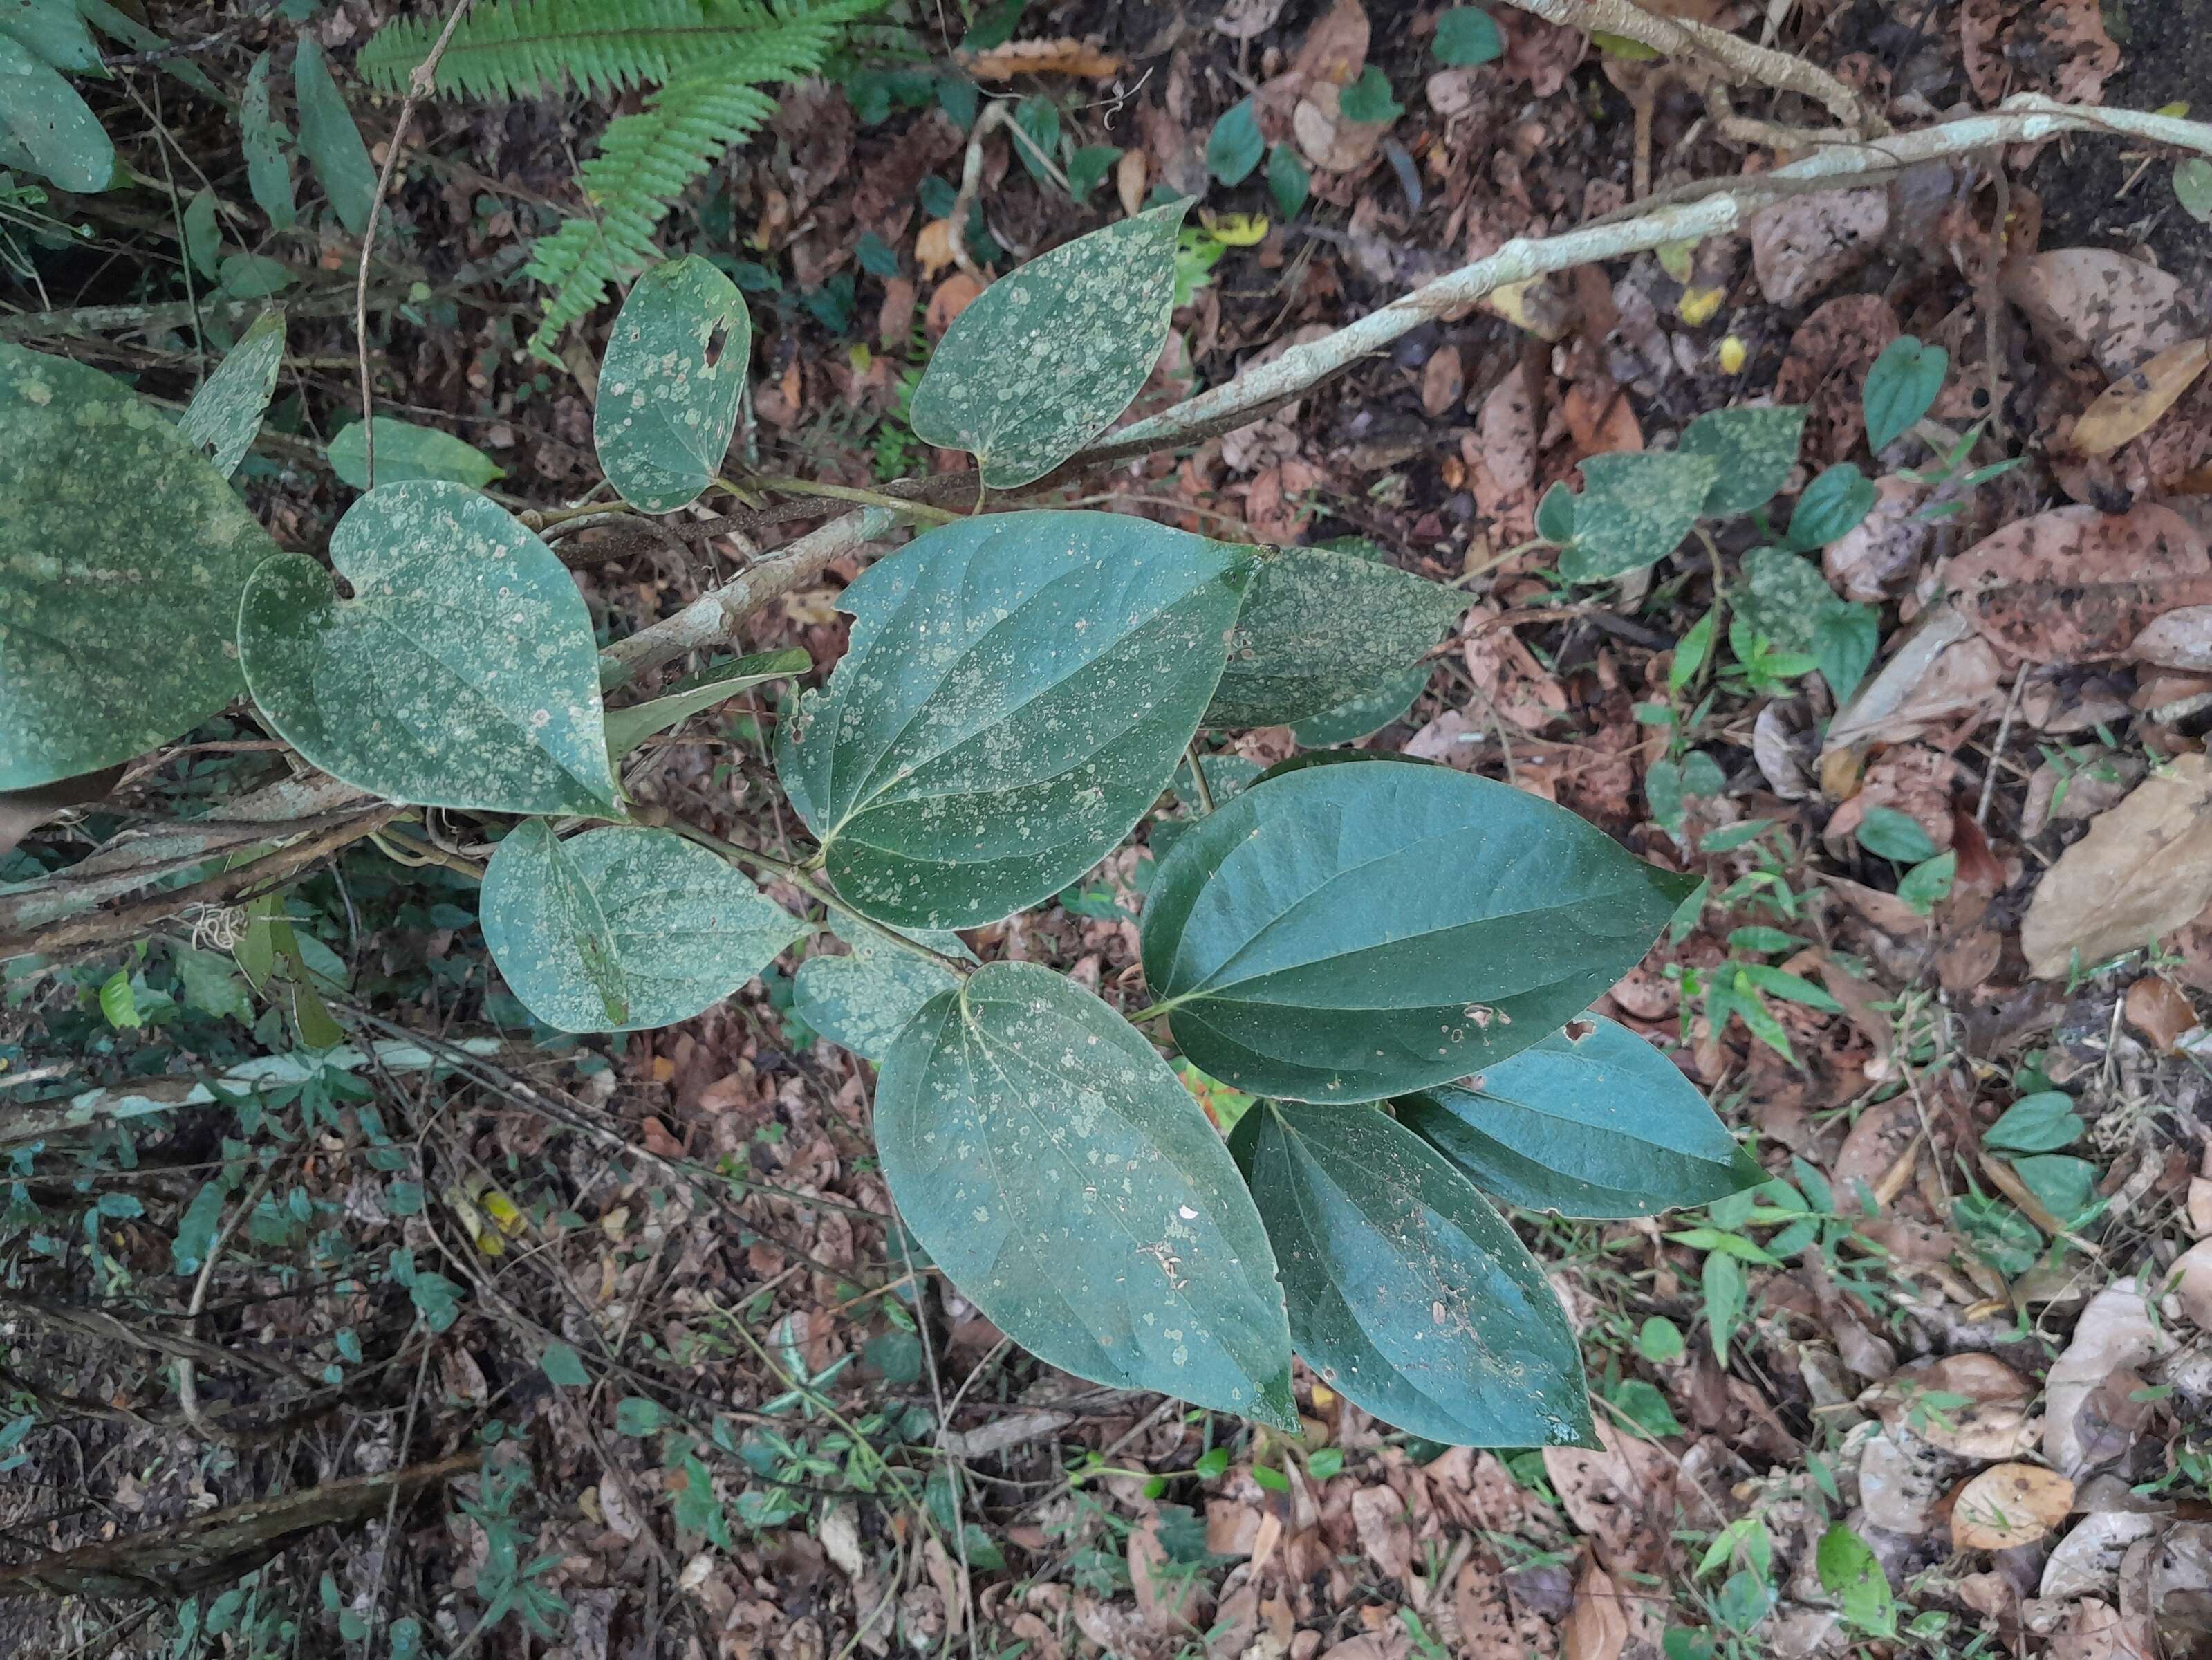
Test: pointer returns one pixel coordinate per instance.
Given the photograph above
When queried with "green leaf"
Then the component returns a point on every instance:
(624, 929)
(1645, 1408)
(1368, 99)
(202, 238)
(265, 139)
(1050, 1162)
(1017, 692)
(209, 984)
(669, 385)
(53, 32)
(1088, 168)
(1784, 597)
(1555, 515)
(1235, 146)
(1467, 34)
(2066, 1185)
(864, 1001)
(1659, 1339)
(1408, 1294)
(1040, 118)
(629, 727)
(254, 275)
(405, 451)
(118, 1005)
(1893, 835)
(635, 1415)
(1846, 640)
(1346, 932)
(1851, 1572)
(1722, 1283)
(195, 1229)
(462, 673)
(1046, 358)
(1288, 182)
(45, 128)
(330, 141)
(2192, 188)
(1928, 884)
(1832, 505)
(1901, 387)
(122, 557)
(1368, 712)
(1319, 628)
(1634, 510)
(2042, 1122)
(225, 413)
(1602, 1126)
(1691, 652)
(1753, 449)
(564, 1367)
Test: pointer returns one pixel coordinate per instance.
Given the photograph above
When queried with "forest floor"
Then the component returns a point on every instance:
(1944, 982)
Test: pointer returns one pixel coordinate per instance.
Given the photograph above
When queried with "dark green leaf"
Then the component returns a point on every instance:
(45, 128)
(1408, 1294)
(1928, 884)
(1645, 1408)
(669, 385)
(462, 673)
(405, 451)
(1555, 515)
(123, 553)
(1039, 117)
(1089, 167)
(1634, 508)
(331, 140)
(1831, 504)
(1288, 182)
(2042, 1122)
(1722, 1284)
(1602, 1126)
(225, 413)
(54, 32)
(563, 1367)
(1357, 716)
(1368, 99)
(1045, 359)
(624, 929)
(1851, 1572)
(1319, 628)
(1050, 1163)
(1235, 146)
(202, 238)
(1754, 449)
(1895, 835)
(635, 1415)
(268, 167)
(255, 276)
(1467, 34)
(864, 1001)
(1846, 640)
(196, 1228)
(2066, 1185)
(1901, 387)
(1344, 932)
(1017, 692)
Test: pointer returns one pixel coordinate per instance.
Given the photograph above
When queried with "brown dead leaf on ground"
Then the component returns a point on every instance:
(2181, 638)
(1609, 1491)
(2036, 45)
(2131, 405)
(954, 295)
(1902, 1480)
(1247, 19)
(1801, 245)
(2115, 1329)
(1083, 59)
(2076, 586)
(1826, 370)
(1882, 549)
(2143, 869)
(2189, 1281)
(1597, 1627)
(2160, 1011)
(1993, 1422)
(1941, 674)
(2008, 1506)
(2091, 303)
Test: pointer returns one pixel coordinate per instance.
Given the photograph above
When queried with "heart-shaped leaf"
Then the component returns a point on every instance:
(1049, 1161)
(1753, 451)
(405, 451)
(1319, 627)
(622, 928)
(1901, 387)
(669, 386)
(1017, 691)
(629, 727)
(225, 412)
(462, 673)
(864, 1001)
(1784, 596)
(1343, 933)
(45, 128)
(122, 555)
(1408, 1294)
(1634, 510)
(1043, 360)
(1592, 1122)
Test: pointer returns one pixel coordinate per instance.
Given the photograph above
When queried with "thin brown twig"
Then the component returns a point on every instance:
(188, 1394)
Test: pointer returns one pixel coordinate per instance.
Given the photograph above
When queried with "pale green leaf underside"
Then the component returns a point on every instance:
(1017, 691)
(405, 453)
(629, 727)
(123, 553)
(669, 385)
(864, 1001)
(1344, 932)
(1051, 1163)
(225, 412)
(1408, 1294)
(624, 929)
(1320, 628)
(45, 128)
(1599, 1126)
(461, 674)
(1634, 510)
(1045, 358)
(1752, 450)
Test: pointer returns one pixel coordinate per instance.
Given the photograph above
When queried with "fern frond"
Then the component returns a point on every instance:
(644, 163)
(509, 48)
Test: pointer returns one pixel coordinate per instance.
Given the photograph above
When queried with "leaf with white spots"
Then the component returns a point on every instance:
(1320, 628)
(1592, 1122)
(1753, 449)
(122, 555)
(1408, 1294)
(225, 413)
(865, 1000)
(1017, 692)
(1049, 1161)
(1634, 510)
(624, 929)
(405, 451)
(1344, 932)
(669, 386)
(462, 673)
(1045, 359)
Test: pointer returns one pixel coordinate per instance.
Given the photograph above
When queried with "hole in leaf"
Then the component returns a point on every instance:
(716, 342)
(1578, 1030)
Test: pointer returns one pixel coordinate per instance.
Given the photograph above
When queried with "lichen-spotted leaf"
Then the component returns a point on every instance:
(462, 673)
(1045, 359)
(1592, 1122)
(669, 386)
(1321, 627)
(865, 1000)
(1753, 450)
(1050, 1162)
(622, 928)
(1408, 1294)
(405, 451)
(1018, 691)
(225, 412)
(1634, 510)
(1371, 711)
(123, 553)
(1343, 933)
(45, 128)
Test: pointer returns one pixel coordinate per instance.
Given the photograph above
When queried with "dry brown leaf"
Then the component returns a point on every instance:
(2160, 1010)
(1801, 245)
(2190, 1283)
(1443, 381)
(1608, 1490)
(2127, 408)
(2181, 638)
(1489, 1628)
(1994, 1422)
(2076, 585)
(1081, 58)
(1596, 1628)
(1825, 369)
(1884, 548)
(1329, 139)
(1130, 176)
(2009, 1504)
(2143, 869)
(2036, 45)
(2115, 1329)
(1940, 672)
(1246, 19)
(2087, 1560)
(1902, 1479)
(1378, 1518)
(932, 248)
(2093, 303)
(1335, 48)
(954, 295)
